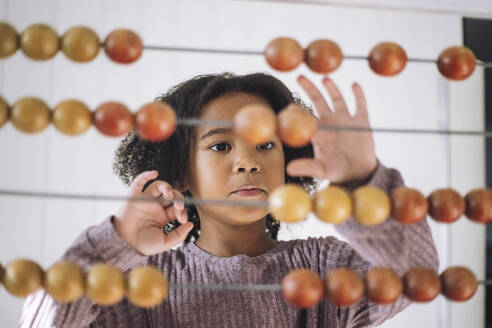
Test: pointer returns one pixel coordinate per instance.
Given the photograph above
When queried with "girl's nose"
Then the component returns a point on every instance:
(248, 165)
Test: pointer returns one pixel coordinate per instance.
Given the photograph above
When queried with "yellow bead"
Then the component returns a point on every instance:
(371, 205)
(64, 281)
(256, 124)
(332, 205)
(80, 44)
(23, 277)
(30, 115)
(72, 117)
(9, 40)
(2, 271)
(290, 203)
(39, 42)
(147, 286)
(106, 285)
(4, 112)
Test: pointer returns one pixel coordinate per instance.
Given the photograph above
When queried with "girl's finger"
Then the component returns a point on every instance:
(339, 105)
(360, 100)
(177, 236)
(139, 182)
(315, 95)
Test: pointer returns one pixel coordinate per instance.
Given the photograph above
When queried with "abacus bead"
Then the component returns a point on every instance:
(72, 117)
(323, 56)
(80, 44)
(290, 203)
(456, 63)
(383, 285)
(64, 281)
(302, 288)
(22, 277)
(458, 283)
(284, 54)
(155, 121)
(123, 46)
(408, 205)
(332, 204)
(387, 59)
(2, 271)
(39, 42)
(446, 205)
(4, 112)
(113, 119)
(256, 124)
(9, 40)
(421, 284)
(479, 205)
(296, 126)
(343, 287)
(106, 285)
(371, 205)
(30, 115)
(147, 286)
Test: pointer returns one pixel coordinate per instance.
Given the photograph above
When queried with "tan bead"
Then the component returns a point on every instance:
(290, 203)
(344, 287)
(39, 42)
(106, 285)
(9, 40)
(408, 205)
(371, 205)
(72, 117)
(296, 126)
(284, 54)
(113, 119)
(446, 205)
(23, 277)
(4, 112)
(323, 56)
(479, 205)
(421, 284)
(458, 283)
(303, 288)
(30, 115)
(80, 44)
(332, 204)
(2, 271)
(383, 285)
(457, 63)
(387, 59)
(256, 124)
(155, 121)
(123, 46)
(64, 281)
(147, 286)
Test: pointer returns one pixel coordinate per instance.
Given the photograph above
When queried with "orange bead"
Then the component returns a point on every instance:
(383, 285)
(479, 205)
(332, 205)
(9, 40)
(446, 205)
(387, 59)
(23, 277)
(408, 205)
(296, 126)
(371, 205)
(421, 284)
(458, 283)
(147, 286)
(30, 115)
(256, 124)
(344, 287)
(39, 42)
(64, 281)
(123, 46)
(290, 203)
(155, 121)
(4, 112)
(106, 284)
(113, 119)
(284, 54)
(302, 288)
(80, 44)
(72, 117)
(323, 56)
(456, 63)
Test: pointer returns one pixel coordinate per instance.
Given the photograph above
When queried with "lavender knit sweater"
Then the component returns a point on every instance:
(390, 244)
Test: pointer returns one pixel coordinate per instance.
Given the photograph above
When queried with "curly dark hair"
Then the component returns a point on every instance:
(135, 155)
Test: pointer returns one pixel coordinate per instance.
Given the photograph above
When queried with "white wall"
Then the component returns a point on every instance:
(417, 98)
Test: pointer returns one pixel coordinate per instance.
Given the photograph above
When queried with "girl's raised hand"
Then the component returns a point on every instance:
(340, 156)
(140, 222)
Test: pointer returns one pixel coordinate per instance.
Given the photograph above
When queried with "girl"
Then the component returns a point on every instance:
(237, 245)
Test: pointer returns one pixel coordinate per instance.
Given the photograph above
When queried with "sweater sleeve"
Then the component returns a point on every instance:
(99, 243)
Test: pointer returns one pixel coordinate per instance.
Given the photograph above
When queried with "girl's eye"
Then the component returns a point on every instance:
(266, 146)
(220, 146)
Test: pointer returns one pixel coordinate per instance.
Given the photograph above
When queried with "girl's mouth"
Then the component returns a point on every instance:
(248, 192)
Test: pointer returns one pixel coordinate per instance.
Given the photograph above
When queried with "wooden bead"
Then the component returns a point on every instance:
(72, 117)
(290, 203)
(387, 59)
(155, 121)
(456, 63)
(458, 283)
(479, 205)
(23, 277)
(323, 56)
(106, 285)
(30, 115)
(344, 287)
(408, 205)
(147, 286)
(256, 124)
(371, 205)
(64, 281)
(332, 204)
(446, 205)
(383, 285)
(4, 112)
(302, 288)
(296, 126)
(421, 284)
(284, 54)
(9, 40)
(123, 46)
(80, 44)
(113, 119)
(39, 42)
(2, 271)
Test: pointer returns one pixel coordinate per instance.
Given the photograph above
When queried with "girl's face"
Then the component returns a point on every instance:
(221, 163)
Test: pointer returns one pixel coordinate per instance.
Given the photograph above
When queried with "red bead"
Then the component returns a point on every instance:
(113, 119)
(408, 205)
(123, 46)
(284, 54)
(323, 56)
(155, 121)
(343, 287)
(458, 283)
(479, 205)
(387, 59)
(446, 205)
(421, 284)
(456, 63)
(302, 288)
